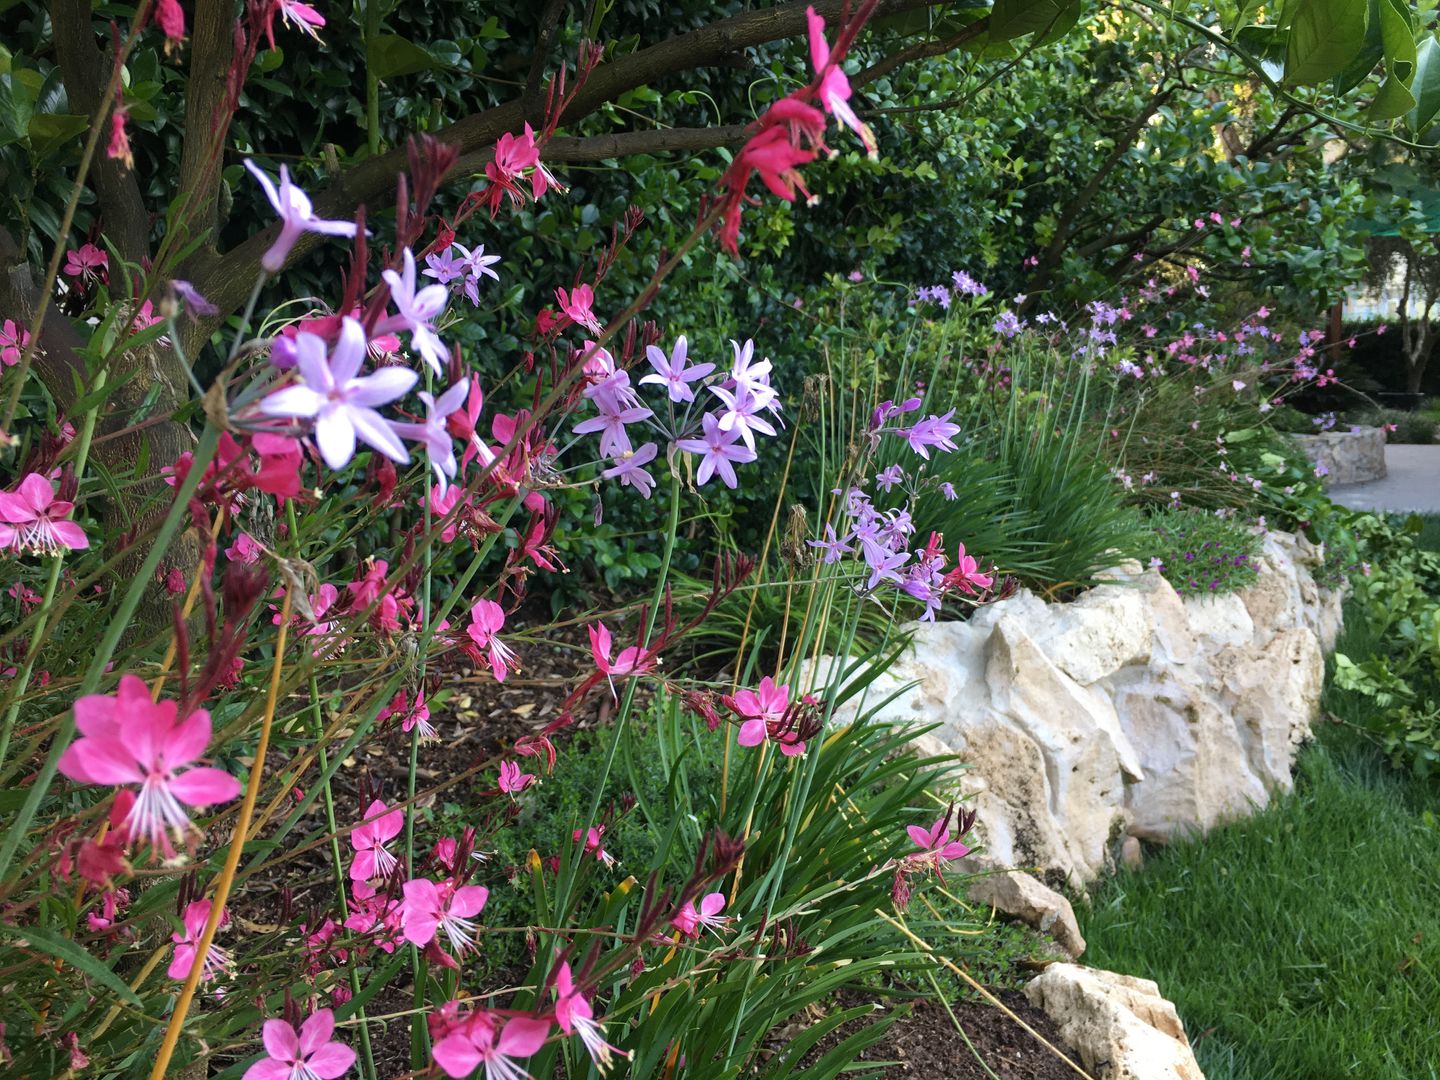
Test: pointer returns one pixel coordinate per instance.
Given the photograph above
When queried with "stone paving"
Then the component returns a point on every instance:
(1411, 484)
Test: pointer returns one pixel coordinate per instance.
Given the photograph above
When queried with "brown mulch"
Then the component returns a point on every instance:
(926, 1044)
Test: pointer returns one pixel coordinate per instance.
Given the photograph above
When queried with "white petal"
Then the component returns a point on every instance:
(335, 436)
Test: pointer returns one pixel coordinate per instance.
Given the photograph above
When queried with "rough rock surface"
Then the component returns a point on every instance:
(1017, 893)
(1129, 710)
(1119, 1025)
(1347, 457)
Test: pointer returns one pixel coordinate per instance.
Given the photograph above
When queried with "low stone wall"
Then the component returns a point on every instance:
(1128, 711)
(1347, 457)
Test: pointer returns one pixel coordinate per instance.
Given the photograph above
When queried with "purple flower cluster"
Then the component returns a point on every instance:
(463, 268)
(961, 284)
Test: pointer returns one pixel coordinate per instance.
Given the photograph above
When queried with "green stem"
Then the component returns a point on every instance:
(119, 622)
(22, 679)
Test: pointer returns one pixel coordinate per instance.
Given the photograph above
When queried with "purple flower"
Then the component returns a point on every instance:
(195, 304)
(717, 449)
(965, 285)
(417, 311)
(439, 445)
(672, 373)
(833, 549)
(297, 217)
(947, 491)
(936, 431)
(890, 477)
(629, 469)
(339, 400)
(618, 406)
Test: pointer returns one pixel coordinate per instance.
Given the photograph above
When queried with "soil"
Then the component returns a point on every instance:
(926, 1044)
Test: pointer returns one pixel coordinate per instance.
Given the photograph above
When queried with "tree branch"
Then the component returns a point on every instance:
(83, 67)
(212, 51)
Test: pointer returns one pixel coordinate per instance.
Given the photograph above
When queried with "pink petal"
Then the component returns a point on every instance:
(919, 835)
(712, 904)
(752, 733)
(100, 761)
(70, 534)
(315, 1032)
(331, 1060)
(456, 1055)
(37, 491)
(205, 787)
(95, 715)
(188, 741)
(180, 964)
(269, 1069)
(469, 900)
(523, 1036)
(280, 1040)
(419, 928)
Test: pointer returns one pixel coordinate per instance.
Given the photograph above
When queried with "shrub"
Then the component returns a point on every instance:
(1201, 554)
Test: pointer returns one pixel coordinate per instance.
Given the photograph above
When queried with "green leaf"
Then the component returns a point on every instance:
(1394, 98)
(66, 950)
(1425, 86)
(48, 132)
(1016, 18)
(1325, 37)
(392, 55)
(17, 102)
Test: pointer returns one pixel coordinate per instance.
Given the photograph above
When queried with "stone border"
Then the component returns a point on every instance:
(1347, 457)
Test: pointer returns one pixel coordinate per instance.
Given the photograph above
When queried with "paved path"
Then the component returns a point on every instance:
(1412, 483)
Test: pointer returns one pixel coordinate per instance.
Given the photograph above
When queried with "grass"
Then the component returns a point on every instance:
(1303, 942)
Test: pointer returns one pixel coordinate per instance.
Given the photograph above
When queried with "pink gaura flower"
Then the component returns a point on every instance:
(302, 17)
(170, 17)
(88, 264)
(512, 780)
(690, 918)
(480, 1040)
(372, 857)
(763, 711)
(935, 841)
(631, 661)
(297, 217)
(13, 340)
(430, 908)
(577, 304)
(966, 575)
(216, 961)
(307, 1054)
(576, 1016)
(487, 618)
(129, 739)
(33, 519)
(594, 837)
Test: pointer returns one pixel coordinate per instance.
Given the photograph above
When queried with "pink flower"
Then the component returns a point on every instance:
(487, 618)
(170, 17)
(309, 1054)
(577, 305)
(834, 86)
(429, 908)
(594, 836)
(935, 841)
(575, 1016)
(966, 576)
(717, 449)
(297, 217)
(244, 549)
(764, 712)
(216, 959)
(129, 739)
(13, 340)
(691, 919)
(302, 17)
(372, 857)
(631, 661)
(512, 780)
(88, 263)
(478, 1040)
(33, 519)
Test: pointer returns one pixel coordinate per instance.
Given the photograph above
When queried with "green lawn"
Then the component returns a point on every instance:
(1303, 942)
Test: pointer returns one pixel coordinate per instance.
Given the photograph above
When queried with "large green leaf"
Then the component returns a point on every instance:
(17, 103)
(1016, 18)
(392, 55)
(1325, 37)
(1426, 84)
(1394, 98)
(66, 950)
(49, 131)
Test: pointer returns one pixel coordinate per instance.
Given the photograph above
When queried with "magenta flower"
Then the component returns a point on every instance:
(88, 264)
(478, 1041)
(576, 1016)
(577, 305)
(429, 908)
(340, 400)
(13, 340)
(372, 857)
(216, 961)
(966, 576)
(487, 618)
(512, 780)
(418, 309)
(717, 450)
(763, 711)
(690, 918)
(631, 661)
(307, 1054)
(935, 841)
(936, 431)
(628, 469)
(297, 216)
(834, 86)
(33, 519)
(129, 739)
(594, 844)
(672, 372)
